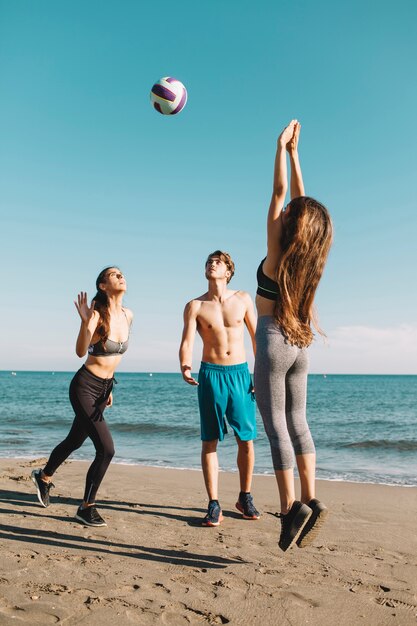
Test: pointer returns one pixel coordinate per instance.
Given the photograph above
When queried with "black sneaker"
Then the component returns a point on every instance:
(292, 523)
(214, 514)
(246, 506)
(42, 487)
(90, 516)
(314, 524)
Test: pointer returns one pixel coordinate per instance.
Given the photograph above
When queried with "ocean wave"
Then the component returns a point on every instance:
(384, 444)
(139, 428)
(145, 428)
(19, 441)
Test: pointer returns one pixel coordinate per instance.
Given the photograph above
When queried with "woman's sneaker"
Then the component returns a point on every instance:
(42, 487)
(246, 506)
(292, 524)
(214, 514)
(314, 524)
(90, 516)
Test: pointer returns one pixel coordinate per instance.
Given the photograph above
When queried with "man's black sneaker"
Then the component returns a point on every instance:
(246, 506)
(214, 514)
(314, 524)
(90, 516)
(292, 523)
(42, 487)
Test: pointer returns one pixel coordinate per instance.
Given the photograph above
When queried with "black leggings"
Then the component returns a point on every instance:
(88, 395)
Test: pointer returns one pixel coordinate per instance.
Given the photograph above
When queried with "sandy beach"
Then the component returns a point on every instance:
(155, 564)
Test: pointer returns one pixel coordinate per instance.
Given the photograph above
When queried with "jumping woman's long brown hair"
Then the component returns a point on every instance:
(102, 306)
(306, 239)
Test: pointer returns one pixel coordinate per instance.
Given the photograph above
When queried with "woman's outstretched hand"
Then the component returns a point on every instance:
(85, 312)
(287, 134)
(292, 144)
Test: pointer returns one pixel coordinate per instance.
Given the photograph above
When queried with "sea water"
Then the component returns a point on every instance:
(364, 427)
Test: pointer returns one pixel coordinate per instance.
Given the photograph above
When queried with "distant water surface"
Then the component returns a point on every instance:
(364, 427)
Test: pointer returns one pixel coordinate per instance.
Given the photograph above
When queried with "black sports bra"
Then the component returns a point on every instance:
(267, 288)
(110, 347)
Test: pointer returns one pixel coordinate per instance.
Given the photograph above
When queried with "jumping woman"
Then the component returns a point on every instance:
(104, 334)
(299, 237)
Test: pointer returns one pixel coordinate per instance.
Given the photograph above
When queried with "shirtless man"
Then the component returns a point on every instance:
(224, 382)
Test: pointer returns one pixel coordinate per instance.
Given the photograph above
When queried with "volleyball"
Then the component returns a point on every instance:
(168, 96)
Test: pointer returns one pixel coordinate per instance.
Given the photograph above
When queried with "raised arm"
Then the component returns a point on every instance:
(89, 321)
(279, 191)
(296, 184)
(187, 341)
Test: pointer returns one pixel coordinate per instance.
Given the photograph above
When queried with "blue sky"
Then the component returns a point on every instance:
(91, 175)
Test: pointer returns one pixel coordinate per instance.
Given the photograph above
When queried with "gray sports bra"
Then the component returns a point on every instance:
(110, 347)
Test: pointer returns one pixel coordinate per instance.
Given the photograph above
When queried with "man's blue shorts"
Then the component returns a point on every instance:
(226, 390)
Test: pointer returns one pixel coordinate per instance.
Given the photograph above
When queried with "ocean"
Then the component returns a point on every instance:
(364, 427)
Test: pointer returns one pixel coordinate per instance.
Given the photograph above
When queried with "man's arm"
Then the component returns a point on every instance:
(187, 341)
(250, 320)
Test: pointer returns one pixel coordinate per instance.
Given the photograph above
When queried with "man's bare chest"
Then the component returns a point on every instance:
(217, 317)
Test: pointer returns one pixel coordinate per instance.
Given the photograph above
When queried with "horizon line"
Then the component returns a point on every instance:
(151, 373)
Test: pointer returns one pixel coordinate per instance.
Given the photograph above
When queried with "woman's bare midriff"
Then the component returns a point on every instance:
(264, 306)
(103, 367)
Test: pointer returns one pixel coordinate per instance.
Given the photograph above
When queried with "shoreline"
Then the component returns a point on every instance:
(155, 564)
(223, 471)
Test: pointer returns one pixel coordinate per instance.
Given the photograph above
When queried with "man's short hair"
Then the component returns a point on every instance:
(226, 258)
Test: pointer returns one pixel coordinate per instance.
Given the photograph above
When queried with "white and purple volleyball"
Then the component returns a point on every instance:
(168, 96)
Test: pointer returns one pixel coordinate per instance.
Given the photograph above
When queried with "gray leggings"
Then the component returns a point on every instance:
(281, 393)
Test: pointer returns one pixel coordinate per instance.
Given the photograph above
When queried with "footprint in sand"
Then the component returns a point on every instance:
(51, 588)
(36, 463)
(180, 614)
(34, 614)
(395, 603)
